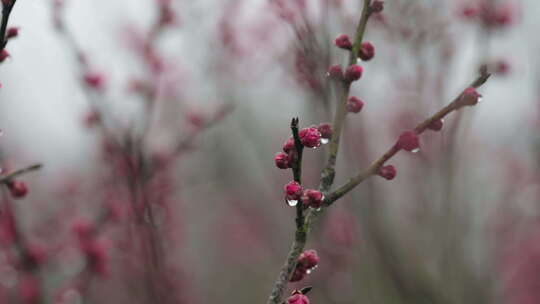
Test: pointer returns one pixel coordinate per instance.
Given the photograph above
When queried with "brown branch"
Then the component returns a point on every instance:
(9, 177)
(328, 173)
(420, 128)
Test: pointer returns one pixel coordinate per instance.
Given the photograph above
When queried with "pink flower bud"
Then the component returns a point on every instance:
(282, 160)
(377, 6)
(367, 51)
(469, 12)
(353, 73)
(298, 298)
(310, 137)
(289, 146)
(326, 130)
(12, 32)
(96, 254)
(95, 81)
(354, 104)
(17, 189)
(469, 97)
(436, 125)
(335, 72)
(503, 16)
(408, 141)
(502, 67)
(4, 55)
(388, 172)
(308, 259)
(293, 191)
(343, 42)
(312, 198)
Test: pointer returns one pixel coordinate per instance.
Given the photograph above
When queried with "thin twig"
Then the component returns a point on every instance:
(328, 173)
(420, 128)
(8, 177)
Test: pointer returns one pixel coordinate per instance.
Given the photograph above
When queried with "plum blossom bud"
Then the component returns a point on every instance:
(469, 97)
(96, 254)
(408, 141)
(335, 72)
(4, 55)
(293, 191)
(282, 160)
(343, 42)
(298, 298)
(326, 130)
(312, 198)
(436, 125)
(12, 32)
(310, 137)
(354, 104)
(377, 6)
(353, 73)
(94, 80)
(308, 259)
(502, 67)
(17, 189)
(366, 51)
(388, 172)
(289, 146)
(469, 12)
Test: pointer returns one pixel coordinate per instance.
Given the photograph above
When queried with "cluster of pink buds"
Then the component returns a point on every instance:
(12, 32)
(307, 262)
(312, 198)
(311, 137)
(294, 192)
(365, 52)
(489, 13)
(17, 188)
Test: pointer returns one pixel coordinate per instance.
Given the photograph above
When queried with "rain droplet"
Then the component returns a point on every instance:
(324, 141)
(308, 271)
(318, 209)
(415, 150)
(292, 203)
(479, 99)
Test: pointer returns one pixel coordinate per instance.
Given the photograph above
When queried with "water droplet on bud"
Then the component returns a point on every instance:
(292, 203)
(415, 150)
(324, 141)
